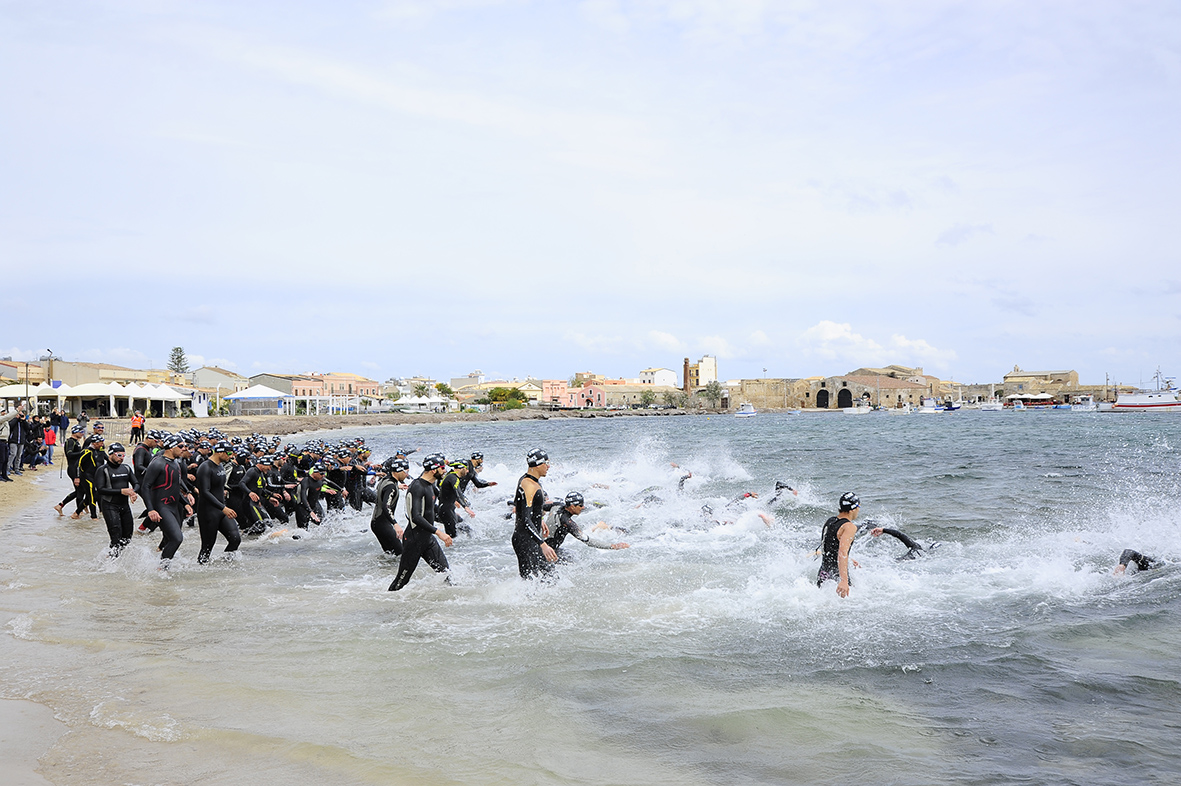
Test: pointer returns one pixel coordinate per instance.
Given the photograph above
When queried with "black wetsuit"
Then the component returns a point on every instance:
(419, 541)
(472, 478)
(830, 546)
(163, 490)
(73, 451)
(448, 514)
(1143, 562)
(275, 505)
(561, 525)
(109, 482)
(383, 523)
(211, 505)
(355, 484)
(88, 462)
(254, 482)
(338, 477)
(914, 549)
(527, 538)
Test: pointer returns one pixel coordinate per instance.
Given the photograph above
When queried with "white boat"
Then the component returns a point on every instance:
(929, 406)
(1084, 404)
(992, 405)
(1159, 400)
(745, 410)
(902, 410)
(862, 409)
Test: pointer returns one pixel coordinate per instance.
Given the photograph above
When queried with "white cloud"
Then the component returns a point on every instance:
(758, 339)
(599, 345)
(665, 341)
(834, 341)
(718, 346)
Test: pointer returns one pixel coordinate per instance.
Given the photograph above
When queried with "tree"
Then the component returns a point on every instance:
(365, 403)
(506, 394)
(444, 390)
(712, 393)
(648, 398)
(177, 362)
(674, 398)
(421, 390)
(393, 395)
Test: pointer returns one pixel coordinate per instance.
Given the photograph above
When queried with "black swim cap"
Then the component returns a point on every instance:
(849, 501)
(574, 499)
(433, 461)
(537, 457)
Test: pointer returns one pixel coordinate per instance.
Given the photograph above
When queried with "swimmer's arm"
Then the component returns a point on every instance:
(846, 534)
(902, 536)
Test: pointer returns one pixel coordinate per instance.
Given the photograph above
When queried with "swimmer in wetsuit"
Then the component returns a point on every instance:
(166, 496)
(561, 523)
(213, 514)
(420, 540)
(474, 465)
(836, 538)
(451, 499)
(1142, 562)
(115, 486)
(530, 531)
(384, 523)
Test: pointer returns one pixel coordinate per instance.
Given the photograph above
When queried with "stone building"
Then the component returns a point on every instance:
(1057, 383)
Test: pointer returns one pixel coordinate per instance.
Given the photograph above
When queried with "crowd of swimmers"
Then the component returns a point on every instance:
(230, 487)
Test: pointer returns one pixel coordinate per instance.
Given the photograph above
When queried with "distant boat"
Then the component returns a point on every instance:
(860, 409)
(1084, 404)
(745, 410)
(902, 410)
(1159, 400)
(928, 406)
(992, 405)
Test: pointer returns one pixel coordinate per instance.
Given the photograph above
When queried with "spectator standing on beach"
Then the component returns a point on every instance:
(18, 435)
(137, 428)
(6, 417)
(50, 442)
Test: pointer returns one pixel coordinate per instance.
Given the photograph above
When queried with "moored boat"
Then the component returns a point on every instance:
(745, 410)
(1164, 399)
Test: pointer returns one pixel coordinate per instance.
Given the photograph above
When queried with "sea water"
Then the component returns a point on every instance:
(703, 654)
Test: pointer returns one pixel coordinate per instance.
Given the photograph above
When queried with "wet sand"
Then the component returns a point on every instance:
(27, 731)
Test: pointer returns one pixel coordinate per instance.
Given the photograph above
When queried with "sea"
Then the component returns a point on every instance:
(702, 654)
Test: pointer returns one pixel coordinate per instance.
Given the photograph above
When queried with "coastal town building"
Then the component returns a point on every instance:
(1056, 383)
(474, 378)
(660, 377)
(699, 374)
(214, 378)
(280, 382)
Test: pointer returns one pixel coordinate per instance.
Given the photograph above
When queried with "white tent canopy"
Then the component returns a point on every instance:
(257, 392)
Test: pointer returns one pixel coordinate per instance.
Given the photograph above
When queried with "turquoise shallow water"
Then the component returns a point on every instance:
(703, 654)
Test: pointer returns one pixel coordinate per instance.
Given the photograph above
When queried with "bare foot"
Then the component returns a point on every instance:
(75, 516)
(58, 508)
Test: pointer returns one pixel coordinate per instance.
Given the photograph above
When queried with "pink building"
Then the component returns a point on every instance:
(581, 398)
(553, 391)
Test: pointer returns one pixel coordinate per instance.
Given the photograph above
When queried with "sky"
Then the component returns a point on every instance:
(408, 187)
